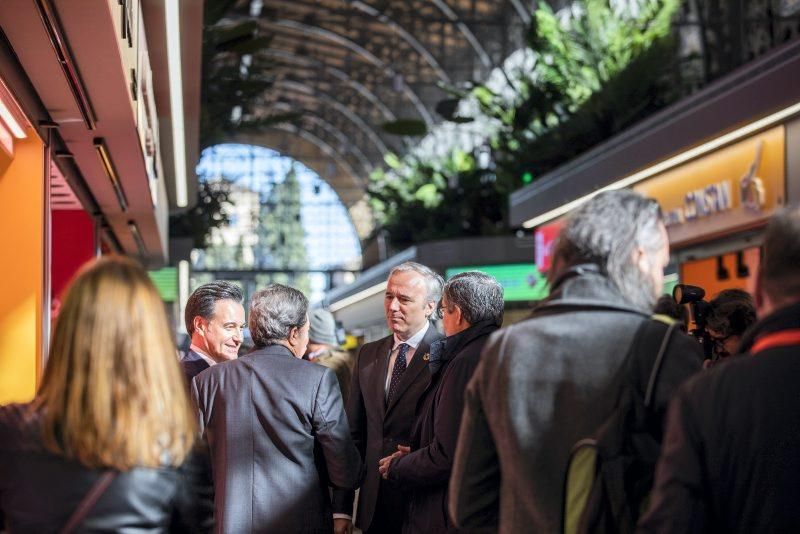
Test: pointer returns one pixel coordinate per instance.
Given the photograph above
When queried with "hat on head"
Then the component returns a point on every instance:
(322, 327)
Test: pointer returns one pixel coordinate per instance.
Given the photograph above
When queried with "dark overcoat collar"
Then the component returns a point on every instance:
(784, 318)
(445, 349)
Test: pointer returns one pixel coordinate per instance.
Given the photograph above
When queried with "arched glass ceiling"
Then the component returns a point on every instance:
(282, 216)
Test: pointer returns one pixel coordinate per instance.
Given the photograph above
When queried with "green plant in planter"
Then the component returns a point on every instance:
(416, 201)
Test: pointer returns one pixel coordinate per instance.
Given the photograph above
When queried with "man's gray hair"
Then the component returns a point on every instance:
(606, 231)
(478, 296)
(274, 311)
(433, 282)
(204, 299)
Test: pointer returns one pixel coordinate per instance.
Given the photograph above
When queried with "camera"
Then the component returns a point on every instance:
(692, 296)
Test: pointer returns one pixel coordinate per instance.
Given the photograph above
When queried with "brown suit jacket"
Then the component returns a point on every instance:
(377, 429)
(340, 362)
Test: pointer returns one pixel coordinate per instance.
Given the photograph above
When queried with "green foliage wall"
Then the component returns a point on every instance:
(596, 68)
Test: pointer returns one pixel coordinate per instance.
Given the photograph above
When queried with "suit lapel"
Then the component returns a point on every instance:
(379, 371)
(419, 363)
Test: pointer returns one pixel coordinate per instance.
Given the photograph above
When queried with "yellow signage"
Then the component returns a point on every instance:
(732, 189)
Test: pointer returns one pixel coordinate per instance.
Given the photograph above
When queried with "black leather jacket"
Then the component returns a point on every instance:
(39, 490)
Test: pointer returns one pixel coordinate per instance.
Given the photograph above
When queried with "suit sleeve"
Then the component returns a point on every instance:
(357, 419)
(333, 434)
(677, 503)
(193, 506)
(431, 465)
(201, 426)
(474, 499)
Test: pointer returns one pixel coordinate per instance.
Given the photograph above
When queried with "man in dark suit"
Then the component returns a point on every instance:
(276, 427)
(388, 379)
(730, 459)
(472, 306)
(214, 320)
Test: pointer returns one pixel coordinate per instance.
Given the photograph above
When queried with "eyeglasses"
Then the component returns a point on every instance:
(445, 308)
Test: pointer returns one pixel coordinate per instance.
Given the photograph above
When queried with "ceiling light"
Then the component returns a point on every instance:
(111, 172)
(137, 237)
(11, 114)
(176, 100)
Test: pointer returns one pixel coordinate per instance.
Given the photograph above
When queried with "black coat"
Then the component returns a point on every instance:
(731, 455)
(39, 490)
(542, 385)
(377, 429)
(425, 472)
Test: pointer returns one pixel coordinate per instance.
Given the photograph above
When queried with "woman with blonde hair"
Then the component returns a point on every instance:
(108, 443)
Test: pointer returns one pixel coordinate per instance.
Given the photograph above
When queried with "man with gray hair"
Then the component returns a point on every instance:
(552, 380)
(472, 309)
(389, 376)
(275, 426)
(214, 318)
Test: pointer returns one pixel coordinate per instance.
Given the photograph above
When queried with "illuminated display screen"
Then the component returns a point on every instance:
(166, 282)
(520, 281)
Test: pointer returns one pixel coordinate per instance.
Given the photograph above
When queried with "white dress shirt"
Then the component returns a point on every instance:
(412, 342)
(202, 354)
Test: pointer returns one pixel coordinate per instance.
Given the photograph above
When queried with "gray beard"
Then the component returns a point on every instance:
(637, 288)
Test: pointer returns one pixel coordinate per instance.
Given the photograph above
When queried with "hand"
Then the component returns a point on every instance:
(342, 525)
(385, 463)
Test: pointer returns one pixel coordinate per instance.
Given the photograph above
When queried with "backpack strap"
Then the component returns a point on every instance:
(578, 483)
(584, 487)
(88, 502)
(651, 382)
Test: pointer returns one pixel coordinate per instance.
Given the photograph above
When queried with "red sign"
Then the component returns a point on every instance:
(544, 238)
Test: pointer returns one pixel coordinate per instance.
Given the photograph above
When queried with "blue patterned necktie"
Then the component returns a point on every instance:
(397, 371)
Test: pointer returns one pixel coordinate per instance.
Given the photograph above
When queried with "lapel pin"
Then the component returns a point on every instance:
(426, 356)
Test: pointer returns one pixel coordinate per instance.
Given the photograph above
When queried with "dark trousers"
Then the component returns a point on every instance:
(390, 510)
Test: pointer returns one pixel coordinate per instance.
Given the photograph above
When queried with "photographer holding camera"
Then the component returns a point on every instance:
(720, 323)
(731, 313)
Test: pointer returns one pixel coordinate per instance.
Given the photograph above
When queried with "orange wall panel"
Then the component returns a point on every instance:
(703, 273)
(21, 270)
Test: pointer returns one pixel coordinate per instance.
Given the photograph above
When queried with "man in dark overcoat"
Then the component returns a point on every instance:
(472, 309)
(552, 380)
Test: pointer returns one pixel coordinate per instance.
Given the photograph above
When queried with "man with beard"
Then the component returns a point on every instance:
(552, 380)
(472, 309)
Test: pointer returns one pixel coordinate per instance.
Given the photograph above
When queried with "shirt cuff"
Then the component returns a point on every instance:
(342, 516)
